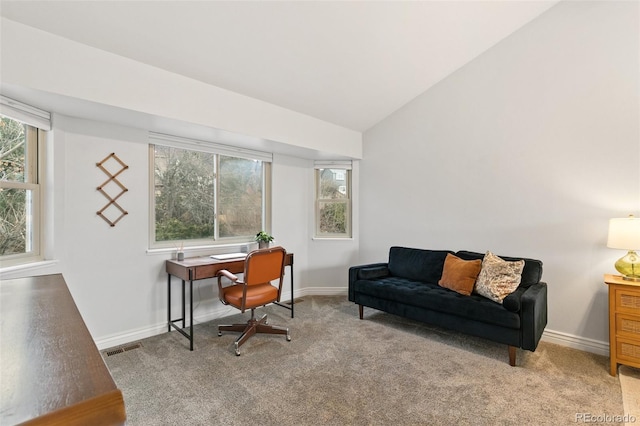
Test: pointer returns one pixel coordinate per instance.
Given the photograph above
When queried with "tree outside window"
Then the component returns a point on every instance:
(240, 194)
(202, 197)
(333, 203)
(19, 190)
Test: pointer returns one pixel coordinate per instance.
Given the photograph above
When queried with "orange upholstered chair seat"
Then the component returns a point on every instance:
(257, 295)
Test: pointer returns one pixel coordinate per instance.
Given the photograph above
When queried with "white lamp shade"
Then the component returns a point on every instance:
(624, 233)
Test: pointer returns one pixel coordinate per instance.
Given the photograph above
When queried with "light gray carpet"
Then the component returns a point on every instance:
(339, 370)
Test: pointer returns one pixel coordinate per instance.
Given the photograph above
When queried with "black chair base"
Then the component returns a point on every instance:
(252, 327)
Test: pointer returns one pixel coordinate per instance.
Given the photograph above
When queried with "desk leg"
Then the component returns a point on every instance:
(169, 306)
(183, 302)
(191, 314)
(292, 298)
(173, 322)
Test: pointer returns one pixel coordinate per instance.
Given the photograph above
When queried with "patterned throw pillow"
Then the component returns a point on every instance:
(498, 278)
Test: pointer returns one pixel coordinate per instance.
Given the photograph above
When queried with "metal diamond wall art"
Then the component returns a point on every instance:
(112, 189)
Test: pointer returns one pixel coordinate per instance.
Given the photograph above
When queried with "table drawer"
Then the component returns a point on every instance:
(628, 301)
(209, 271)
(628, 350)
(205, 271)
(628, 326)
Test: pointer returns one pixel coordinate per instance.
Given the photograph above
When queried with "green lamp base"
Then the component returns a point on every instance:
(629, 266)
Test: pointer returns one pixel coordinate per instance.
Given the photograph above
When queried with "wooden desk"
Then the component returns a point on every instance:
(51, 370)
(200, 268)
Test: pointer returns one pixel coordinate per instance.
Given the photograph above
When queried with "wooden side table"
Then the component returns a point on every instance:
(624, 322)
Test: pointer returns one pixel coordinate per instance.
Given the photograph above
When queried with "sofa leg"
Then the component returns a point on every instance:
(360, 310)
(512, 356)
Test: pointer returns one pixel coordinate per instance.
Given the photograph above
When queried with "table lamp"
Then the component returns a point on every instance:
(624, 233)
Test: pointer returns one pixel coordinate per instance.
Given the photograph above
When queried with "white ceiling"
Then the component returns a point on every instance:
(351, 63)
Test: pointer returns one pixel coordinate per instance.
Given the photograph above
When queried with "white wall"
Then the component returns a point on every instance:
(526, 151)
(119, 287)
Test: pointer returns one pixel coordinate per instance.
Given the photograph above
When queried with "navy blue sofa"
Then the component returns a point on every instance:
(407, 285)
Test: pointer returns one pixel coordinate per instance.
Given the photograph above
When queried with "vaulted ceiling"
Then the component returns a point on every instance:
(351, 63)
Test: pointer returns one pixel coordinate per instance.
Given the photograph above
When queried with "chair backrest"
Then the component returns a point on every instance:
(265, 265)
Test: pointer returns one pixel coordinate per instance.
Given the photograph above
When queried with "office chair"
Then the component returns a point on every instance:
(260, 268)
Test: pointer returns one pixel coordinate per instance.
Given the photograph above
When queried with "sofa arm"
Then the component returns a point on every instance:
(533, 315)
(372, 270)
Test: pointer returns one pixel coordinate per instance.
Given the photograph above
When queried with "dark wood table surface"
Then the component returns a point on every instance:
(51, 371)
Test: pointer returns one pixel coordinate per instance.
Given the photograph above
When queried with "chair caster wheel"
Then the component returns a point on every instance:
(288, 338)
(219, 333)
(237, 353)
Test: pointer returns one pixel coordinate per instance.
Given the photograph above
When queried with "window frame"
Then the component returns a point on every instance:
(33, 181)
(217, 151)
(345, 167)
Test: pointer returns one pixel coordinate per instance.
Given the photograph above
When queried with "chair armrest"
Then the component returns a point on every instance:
(369, 271)
(533, 315)
(224, 273)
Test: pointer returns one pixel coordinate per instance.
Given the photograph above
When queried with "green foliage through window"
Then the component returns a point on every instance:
(205, 196)
(18, 187)
(333, 192)
(240, 206)
(333, 218)
(12, 150)
(184, 194)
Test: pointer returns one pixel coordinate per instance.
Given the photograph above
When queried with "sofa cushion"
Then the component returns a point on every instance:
(531, 273)
(373, 272)
(436, 298)
(513, 302)
(417, 264)
(498, 278)
(460, 275)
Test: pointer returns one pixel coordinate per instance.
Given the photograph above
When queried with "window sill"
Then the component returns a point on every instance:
(208, 249)
(24, 269)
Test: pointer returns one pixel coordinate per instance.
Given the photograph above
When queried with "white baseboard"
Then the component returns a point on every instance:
(576, 342)
(322, 291)
(130, 336)
(221, 311)
(216, 312)
(159, 328)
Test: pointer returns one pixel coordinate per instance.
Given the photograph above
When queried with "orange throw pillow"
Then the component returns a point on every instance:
(460, 275)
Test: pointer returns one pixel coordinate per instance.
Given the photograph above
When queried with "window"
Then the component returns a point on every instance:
(19, 192)
(333, 200)
(205, 197)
